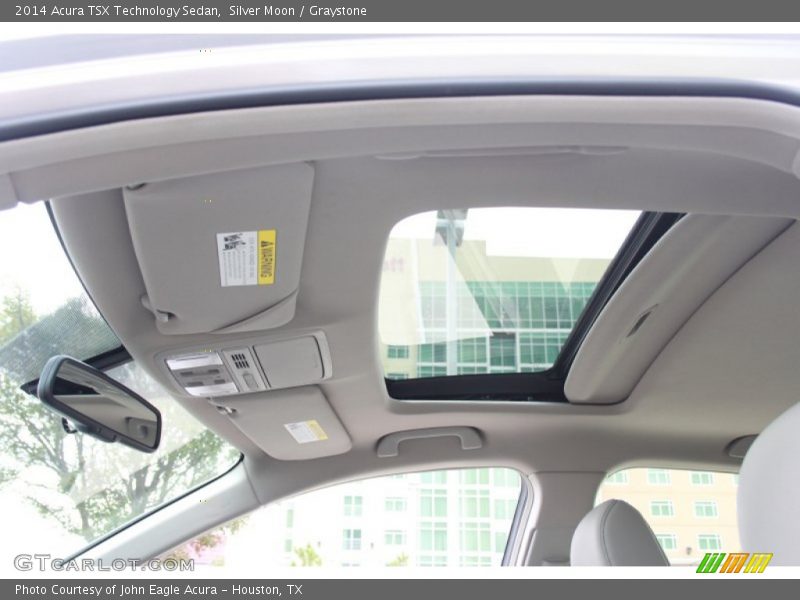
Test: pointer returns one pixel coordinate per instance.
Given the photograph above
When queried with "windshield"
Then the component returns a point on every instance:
(58, 491)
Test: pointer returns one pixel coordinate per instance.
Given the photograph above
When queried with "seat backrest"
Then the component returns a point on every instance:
(768, 502)
(614, 534)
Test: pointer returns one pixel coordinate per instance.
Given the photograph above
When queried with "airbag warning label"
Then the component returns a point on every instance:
(247, 257)
(306, 431)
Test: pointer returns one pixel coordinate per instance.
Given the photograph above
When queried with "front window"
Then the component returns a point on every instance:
(490, 290)
(58, 491)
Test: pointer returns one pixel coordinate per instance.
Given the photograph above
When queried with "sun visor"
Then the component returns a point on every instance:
(222, 253)
(296, 424)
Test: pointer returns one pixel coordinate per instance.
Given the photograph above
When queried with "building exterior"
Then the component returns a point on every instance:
(458, 517)
(461, 518)
(506, 313)
(691, 512)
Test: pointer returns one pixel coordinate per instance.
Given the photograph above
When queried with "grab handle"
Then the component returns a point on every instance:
(389, 445)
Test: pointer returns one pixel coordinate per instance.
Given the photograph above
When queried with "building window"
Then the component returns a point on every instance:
(702, 478)
(503, 352)
(668, 541)
(658, 477)
(352, 539)
(395, 504)
(433, 536)
(431, 371)
(475, 504)
(505, 478)
(433, 503)
(397, 352)
(433, 477)
(504, 509)
(475, 561)
(396, 376)
(662, 508)
(705, 509)
(427, 560)
(618, 478)
(472, 351)
(394, 537)
(287, 545)
(475, 476)
(352, 506)
(475, 537)
(709, 542)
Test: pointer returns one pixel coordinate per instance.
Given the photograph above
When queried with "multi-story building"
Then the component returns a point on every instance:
(511, 314)
(458, 517)
(691, 512)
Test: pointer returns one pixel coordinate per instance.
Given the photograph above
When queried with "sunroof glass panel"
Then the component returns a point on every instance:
(490, 290)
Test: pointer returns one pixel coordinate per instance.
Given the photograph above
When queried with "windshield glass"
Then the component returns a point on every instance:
(58, 491)
(490, 290)
(45, 310)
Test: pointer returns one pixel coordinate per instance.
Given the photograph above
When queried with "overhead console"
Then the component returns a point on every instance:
(246, 368)
(294, 422)
(221, 253)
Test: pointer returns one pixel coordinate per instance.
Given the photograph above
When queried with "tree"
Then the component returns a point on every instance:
(16, 313)
(99, 487)
(307, 556)
(401, 560)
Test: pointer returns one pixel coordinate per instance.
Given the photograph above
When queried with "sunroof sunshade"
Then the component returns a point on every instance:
(490, 290)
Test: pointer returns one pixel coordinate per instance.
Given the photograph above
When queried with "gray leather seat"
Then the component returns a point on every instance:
(614, 534)
(769, 491)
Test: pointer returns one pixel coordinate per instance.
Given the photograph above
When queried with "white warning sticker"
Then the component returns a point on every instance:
(246, 257)
(305, 432)
(238, 258)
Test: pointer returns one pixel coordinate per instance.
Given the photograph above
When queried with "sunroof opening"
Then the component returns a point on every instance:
(490, 290)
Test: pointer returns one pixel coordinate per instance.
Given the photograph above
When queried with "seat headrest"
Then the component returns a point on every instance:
(769, 491)
(614, 534)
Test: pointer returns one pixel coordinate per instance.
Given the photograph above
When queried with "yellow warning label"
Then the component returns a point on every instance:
(266, 256)
(317, 430)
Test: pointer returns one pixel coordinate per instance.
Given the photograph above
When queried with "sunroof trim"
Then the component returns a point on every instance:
(544, 386)
(649, 228)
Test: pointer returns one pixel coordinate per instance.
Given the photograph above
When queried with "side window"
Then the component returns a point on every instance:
(691, 512)
(457, 517)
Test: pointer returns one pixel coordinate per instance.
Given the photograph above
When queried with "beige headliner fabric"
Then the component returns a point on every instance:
(734, 355)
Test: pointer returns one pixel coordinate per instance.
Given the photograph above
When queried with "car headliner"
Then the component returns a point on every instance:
(721, 342)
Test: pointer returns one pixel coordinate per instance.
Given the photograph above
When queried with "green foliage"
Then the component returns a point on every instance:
(401, 560)
(99, 486)
(307, 557)
(16, 313)
(73, 328)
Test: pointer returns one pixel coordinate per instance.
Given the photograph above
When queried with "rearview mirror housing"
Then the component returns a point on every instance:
(98, 405)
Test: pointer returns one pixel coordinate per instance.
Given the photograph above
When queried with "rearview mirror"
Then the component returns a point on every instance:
(97, 405)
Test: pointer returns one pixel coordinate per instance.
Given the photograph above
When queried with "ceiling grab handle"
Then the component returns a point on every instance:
(389, 445)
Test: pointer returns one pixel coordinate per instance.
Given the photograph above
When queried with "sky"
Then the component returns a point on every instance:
(535, 232)
(31, 258)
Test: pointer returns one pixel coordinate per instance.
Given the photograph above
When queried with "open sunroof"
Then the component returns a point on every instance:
(491, 303)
